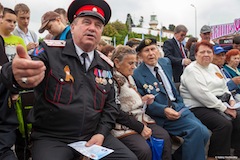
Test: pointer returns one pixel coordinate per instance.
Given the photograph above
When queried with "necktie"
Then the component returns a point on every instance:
(84, 55)
(180, 46)
(158, 76)
(160, 80)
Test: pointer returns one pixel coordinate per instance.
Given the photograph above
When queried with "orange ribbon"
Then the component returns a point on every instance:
(219, 75)
(68, 75)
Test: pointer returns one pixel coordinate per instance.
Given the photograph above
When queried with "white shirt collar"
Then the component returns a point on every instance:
(21, 32)
(151, 68)
(90, 57)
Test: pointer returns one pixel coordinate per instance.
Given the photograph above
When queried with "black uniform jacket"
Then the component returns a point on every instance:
(71, 105)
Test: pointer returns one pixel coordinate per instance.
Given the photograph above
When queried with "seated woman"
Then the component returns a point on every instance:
(233, 59)
(201, 84)
(133, 125)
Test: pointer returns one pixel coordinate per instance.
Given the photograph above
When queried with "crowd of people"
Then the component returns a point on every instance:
(116, 97)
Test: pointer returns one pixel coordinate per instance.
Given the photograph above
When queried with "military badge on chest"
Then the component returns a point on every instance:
(103, 76)
(150, 87)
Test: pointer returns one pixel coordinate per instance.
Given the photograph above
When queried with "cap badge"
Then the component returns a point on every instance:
(94, 9)
(148, 42)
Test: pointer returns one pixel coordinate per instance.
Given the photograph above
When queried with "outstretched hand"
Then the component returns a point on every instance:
(27, 73)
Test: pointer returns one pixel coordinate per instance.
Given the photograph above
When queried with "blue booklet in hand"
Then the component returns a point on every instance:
(94, 152)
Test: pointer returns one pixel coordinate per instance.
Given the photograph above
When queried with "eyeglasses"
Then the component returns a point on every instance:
(183, 35)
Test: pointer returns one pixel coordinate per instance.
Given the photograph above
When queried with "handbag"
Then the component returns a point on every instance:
(156, 146)
(225, 98)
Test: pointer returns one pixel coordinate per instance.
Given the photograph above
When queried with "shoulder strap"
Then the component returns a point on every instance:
(104, 57)
(55, 43)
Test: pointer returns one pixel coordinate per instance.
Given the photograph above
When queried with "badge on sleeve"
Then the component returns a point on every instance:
(37, 51)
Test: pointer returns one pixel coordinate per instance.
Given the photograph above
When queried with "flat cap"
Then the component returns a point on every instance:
(145, 42)
(205, 29)
(96, 8)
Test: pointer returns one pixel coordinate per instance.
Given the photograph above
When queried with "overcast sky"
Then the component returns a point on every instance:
(210, 12)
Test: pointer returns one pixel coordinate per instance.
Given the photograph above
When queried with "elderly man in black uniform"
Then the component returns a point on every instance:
(75, 97)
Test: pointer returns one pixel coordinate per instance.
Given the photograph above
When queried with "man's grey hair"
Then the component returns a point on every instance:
(180, 28)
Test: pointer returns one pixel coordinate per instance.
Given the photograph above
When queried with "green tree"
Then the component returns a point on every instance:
(120, 27)
(109, 30)
(116, 29)
(171, 27)
(164, 28)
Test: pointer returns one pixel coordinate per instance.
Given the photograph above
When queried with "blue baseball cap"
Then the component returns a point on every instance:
(218, 49)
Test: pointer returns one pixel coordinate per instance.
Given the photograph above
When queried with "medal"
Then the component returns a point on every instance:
(156, 86)
(96, 75)
(109, 75)
(100, 76)
(110, 81)
(100, 80)
(104, 74)
(148, 90)
(97, 79)
(104, 81)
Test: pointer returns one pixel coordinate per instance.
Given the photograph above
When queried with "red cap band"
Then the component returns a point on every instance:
(90, 8)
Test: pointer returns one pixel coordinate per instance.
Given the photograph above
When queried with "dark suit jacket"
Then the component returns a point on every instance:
(173, 52)
(143, 77)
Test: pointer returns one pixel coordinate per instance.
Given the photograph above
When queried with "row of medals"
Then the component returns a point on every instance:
(103, 81)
